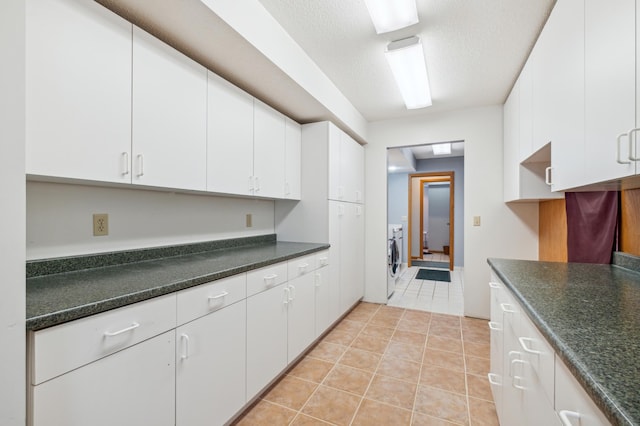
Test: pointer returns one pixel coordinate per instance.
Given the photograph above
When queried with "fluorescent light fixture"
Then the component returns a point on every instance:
(391, 15)
(441, 148)
(406, 59)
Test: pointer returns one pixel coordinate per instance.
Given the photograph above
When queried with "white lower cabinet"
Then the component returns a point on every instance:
(301, 317)
(210, 367)
(323, 291)
(135, 386)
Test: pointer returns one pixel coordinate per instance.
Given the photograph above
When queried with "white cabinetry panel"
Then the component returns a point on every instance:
(169, 116)
(268, 151)
(292, 162)
(301, 315)
(78, 91)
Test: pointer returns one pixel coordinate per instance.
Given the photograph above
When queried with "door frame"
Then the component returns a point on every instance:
(425, 178)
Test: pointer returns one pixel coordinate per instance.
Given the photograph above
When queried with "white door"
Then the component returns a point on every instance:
(266, 337)
(169, 116)
(301, 319)
(135, 386)
(210, 367)
(78, 91)
(268, 151)
(229, 138)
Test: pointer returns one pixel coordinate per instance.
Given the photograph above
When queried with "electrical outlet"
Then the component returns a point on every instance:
(100, 224)
(249, 220)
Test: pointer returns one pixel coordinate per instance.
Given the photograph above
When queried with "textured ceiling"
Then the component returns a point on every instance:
(474, 49)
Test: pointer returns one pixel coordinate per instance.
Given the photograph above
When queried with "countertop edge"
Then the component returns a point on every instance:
(67, 315)
(579, 371)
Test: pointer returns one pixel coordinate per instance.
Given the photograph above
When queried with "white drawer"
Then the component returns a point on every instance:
(62, 348)
(322, 258)
(301, 266)
(539, 354)
(265, 278)
(206, 298)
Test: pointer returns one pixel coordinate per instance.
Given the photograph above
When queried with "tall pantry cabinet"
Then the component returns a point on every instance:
(331, 209)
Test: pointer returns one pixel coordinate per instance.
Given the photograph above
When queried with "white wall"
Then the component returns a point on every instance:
(506, 231)
(59, 218)
(12, 213)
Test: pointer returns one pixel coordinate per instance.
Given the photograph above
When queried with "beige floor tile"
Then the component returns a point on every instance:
(442, 378)
(409, 337)
(358, 358)
(444, 344)
(415, 325)
(444, 319)
(385, 320)
(442, 404)
(349, 326)
(421, 419)
(362, 313)
(311, 369)
(291, 392)
(405, 351)
(340, 337)
(267, 414)
(476, 335)
(304, 420)
(444, 330)
(468, 322)
(399, 369)
(370, 343)
(348, 379)
(477, 366)
(483, 413)
(450, 360)
(420, 316)
(328, 351)
(479, 387)
(374, 413)
(480, 350)
(377, 331)
(332, 405)
(391, 391)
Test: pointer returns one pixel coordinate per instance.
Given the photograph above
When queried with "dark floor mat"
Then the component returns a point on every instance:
(433, 275)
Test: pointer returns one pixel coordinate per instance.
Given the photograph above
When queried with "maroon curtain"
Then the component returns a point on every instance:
(592, 219)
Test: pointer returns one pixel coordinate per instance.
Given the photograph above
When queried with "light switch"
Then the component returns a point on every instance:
(476, 221)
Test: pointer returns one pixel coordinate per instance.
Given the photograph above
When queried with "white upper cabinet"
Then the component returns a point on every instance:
(346, 167)
(526, 110)
(169, 116)
(229, 138)
(610, 94)
(268, 151)
(78, 91)
(511, 123)
(292, 159)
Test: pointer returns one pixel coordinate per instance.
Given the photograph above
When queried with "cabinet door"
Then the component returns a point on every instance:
(511, 122)
(514, 366)
(526, 109)
(268, 151)
(352, 260)
(351, 169)
(336, 190)
(496, 325)
(210, 367)
(135, 386)
(78, 91)
(229, 138)
(169, 116)
(336, 217)
(323, 300)
(301, 316)
(610, 78)
(292, 154)
(266, 337)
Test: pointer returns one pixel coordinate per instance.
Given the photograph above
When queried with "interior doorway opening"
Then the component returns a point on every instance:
(433, 233)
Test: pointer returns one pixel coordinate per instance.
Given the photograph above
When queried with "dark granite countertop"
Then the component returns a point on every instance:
(62, 290)
(590, 314)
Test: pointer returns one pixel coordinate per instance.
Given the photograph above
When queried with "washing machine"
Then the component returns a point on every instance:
(394, 257)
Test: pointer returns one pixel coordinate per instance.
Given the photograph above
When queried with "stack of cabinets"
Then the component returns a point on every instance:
(281, 316)
(108, 102)
(528, 385)
(114, 368)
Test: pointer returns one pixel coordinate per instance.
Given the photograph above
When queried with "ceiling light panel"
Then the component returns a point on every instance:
(407, 62)
(441, 149)
(391, 15)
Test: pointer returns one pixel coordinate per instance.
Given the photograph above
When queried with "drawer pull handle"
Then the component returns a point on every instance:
(303, 267)
(522, 341)
(565, 414)
(519, 379)
(185, 353)
(219, 296)
(495, 326)
(292, 292)
(287, 295)
(124, 330)
(323, 260)
(510, 355)
(270, 277)
(493, 379)
(506, 307)
(494, 285)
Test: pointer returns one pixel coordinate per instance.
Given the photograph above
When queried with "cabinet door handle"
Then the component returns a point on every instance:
(324, 261)
(256, 185)
(287, 190)
(494, 285)
(292, 292)
(270, 280)
(358, 196)
(565, 414)
(219, 296)
(547, 175)
(286, 295)
(526, 348)
(125, 160)
(618, 141)
(250, 184)
(303, 267)
(509, 355)
(506, 307)
(133, 326)
(631, 144)
(495, 326)
(519, 379)
(185, 347)
(140, 165)
(494, 379)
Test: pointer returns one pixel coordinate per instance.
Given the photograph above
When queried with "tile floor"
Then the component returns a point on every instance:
(384, 365)
(431, 296)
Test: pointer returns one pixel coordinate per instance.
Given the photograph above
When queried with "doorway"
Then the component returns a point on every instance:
(431, 233)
